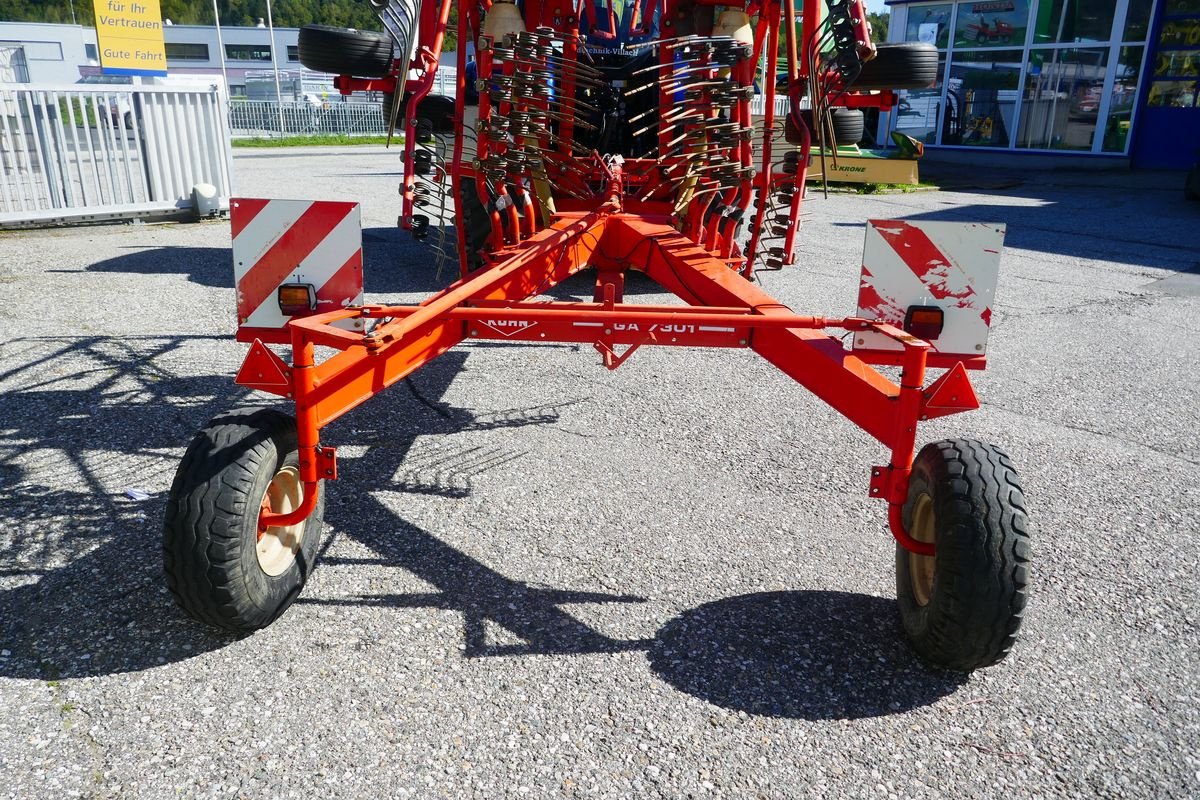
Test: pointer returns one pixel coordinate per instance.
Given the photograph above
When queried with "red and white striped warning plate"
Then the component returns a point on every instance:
(293, 241)
(952, 265)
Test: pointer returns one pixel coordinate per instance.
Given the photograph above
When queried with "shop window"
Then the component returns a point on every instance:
(991, 23)
(248, 52)
(1063, 92)
(919, 112)
(929, 24)
(981, 98)
(1177, 67)
(1122, 100)
(38, 51)
(1137, 20)
(186, 51)
(1074, 21)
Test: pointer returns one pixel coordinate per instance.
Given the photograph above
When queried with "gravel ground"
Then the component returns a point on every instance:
(540, 578)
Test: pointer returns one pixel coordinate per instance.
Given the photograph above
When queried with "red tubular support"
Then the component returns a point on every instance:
(904, 438)
(529, 215)
(513, 230)
(460, 241)
(789, 241)
(896, 523)
(436, 26)
(764, 177)
(307, 433)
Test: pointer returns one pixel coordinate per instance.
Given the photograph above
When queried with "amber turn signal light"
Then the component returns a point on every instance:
(297, 298)
(924, 322)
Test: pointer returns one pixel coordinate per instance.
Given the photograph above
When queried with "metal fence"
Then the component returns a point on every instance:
(69, 153)
(260, 118)
(758, 105)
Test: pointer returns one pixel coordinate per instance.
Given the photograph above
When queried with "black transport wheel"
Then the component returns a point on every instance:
(436, 108)
(900, 65)
(962, 607)
(345, 51)
(849, 125)
(218, 566)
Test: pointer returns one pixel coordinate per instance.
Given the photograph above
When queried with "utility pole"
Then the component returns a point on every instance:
(221, 48)
(275, 68)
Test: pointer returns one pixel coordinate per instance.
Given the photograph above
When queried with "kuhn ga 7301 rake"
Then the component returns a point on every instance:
(612, 135)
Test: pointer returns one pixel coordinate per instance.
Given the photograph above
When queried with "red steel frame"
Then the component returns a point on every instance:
(625, 227)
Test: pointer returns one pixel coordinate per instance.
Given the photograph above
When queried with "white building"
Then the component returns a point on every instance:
(61, 54)
(50, 53)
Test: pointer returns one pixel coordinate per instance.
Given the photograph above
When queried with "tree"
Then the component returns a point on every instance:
(285, 13)
(879, 25)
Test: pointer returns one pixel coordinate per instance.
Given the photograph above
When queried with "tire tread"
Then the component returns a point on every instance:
(981, 583)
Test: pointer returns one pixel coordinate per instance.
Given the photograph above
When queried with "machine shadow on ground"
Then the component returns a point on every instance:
(81, 588)
(393, 263)
(85, 423)
(206, 266)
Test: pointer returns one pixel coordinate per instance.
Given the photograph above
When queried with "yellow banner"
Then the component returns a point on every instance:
(130, 37)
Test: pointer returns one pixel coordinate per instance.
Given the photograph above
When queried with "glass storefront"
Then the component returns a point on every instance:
(1043, 75)
(981, 98)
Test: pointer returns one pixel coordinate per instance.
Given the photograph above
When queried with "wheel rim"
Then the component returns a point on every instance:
(921, 568)
(277, 546)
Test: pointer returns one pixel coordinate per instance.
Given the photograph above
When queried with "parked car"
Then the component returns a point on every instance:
(120, 107)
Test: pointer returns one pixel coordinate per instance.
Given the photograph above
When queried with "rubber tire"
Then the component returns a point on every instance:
(345, 51)
(899, 65)
(981, 572)
(211, 526)
(436, 108)
(1191, 189)
(849, 125)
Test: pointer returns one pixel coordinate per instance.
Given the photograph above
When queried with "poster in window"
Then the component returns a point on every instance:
(992, 23)
(930, 24)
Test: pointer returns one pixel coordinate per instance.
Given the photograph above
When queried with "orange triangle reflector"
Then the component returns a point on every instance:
(265, 371)
(950, 394)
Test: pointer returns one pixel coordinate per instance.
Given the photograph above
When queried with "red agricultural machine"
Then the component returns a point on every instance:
(612, 136)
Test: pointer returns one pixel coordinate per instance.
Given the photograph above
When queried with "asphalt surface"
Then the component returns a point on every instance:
(540, 578)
